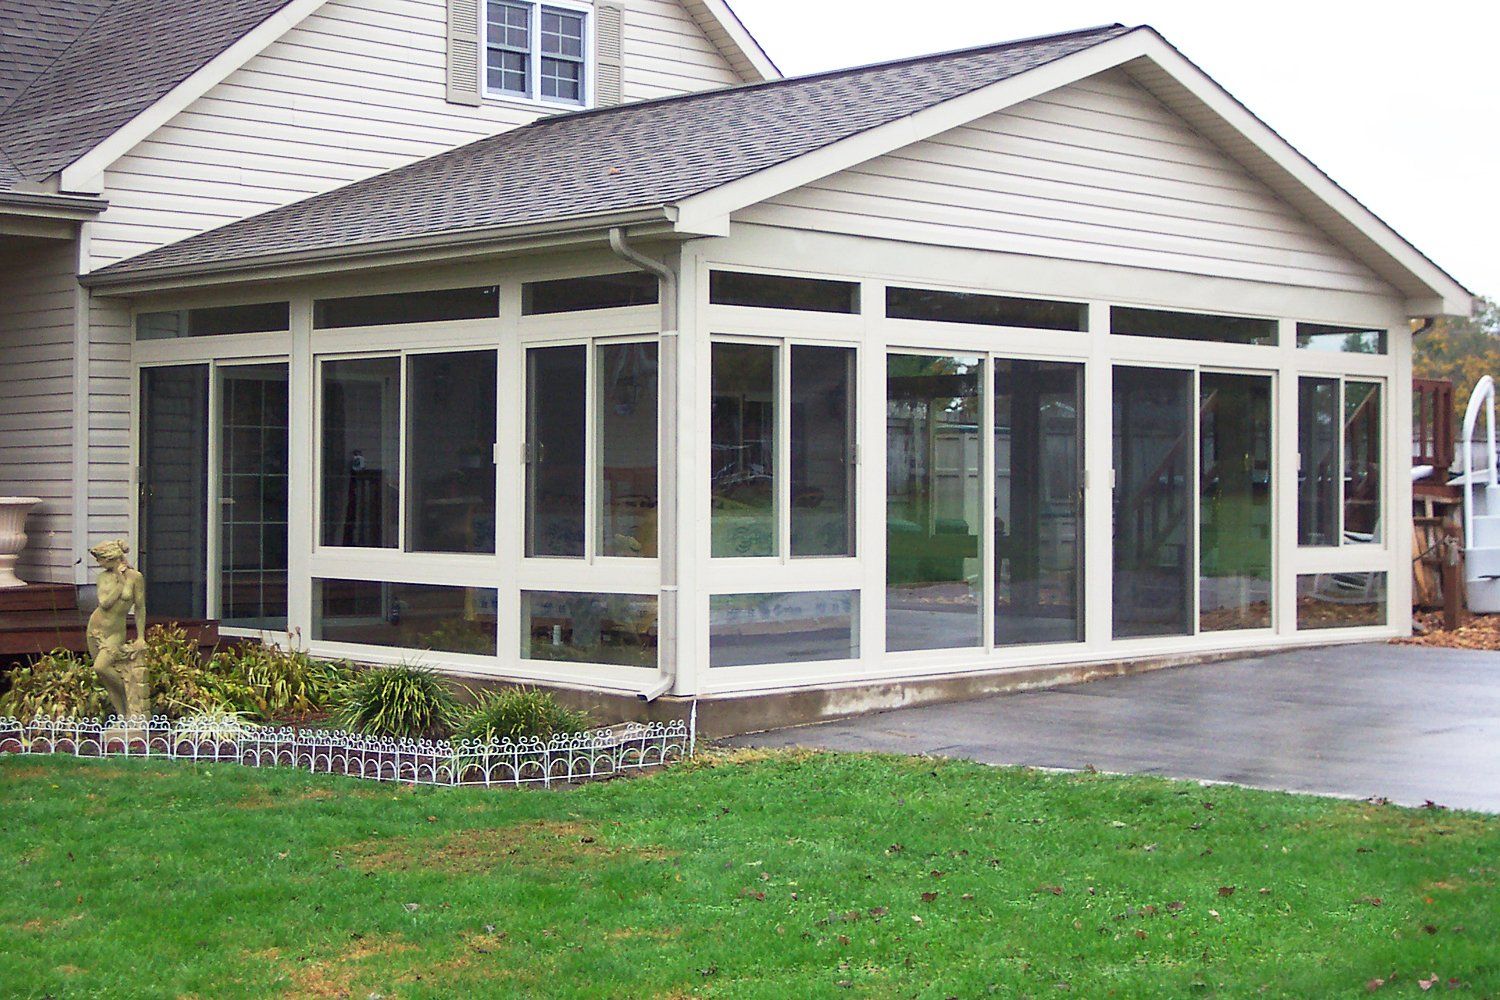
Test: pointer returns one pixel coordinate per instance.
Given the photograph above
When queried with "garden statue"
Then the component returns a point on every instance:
(120, 665)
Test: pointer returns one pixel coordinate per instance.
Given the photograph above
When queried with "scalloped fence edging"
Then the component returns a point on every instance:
(574, 758)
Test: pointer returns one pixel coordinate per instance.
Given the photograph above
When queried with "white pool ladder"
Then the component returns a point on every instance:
(1481, 508)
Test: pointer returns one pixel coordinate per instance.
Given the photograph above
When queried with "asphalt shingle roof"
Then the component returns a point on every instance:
(74, 71)
(633, 156)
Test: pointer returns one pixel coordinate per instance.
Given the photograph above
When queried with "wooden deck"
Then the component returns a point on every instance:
(41, 617)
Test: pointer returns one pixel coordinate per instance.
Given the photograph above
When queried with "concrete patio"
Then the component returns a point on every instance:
(1409, 723)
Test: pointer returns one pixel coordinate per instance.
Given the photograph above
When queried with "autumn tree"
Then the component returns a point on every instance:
(1462, 350)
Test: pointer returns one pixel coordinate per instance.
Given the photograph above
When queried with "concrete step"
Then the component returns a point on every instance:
(1484, 596)
(1483, 563)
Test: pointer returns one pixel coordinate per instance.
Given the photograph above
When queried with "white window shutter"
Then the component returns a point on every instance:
(609, 57)
(464, 63)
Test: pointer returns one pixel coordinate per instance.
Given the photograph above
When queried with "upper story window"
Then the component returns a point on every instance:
(536, 51)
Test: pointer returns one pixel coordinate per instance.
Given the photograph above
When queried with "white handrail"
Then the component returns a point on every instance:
(1484, 393)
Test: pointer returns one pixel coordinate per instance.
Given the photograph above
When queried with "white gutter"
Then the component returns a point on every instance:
(667, 514)
(415, 249)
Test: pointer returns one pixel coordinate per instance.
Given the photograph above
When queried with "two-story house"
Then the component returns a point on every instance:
(566, 342)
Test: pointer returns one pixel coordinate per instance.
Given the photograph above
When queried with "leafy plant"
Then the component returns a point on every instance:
(518, 713)
(182, 683)
(280, 683)
(57, 684)
(405, 700)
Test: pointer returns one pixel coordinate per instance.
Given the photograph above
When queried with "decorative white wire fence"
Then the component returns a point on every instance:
(574, 758)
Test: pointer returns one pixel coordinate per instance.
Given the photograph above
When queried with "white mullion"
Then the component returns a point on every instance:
(1340, 461)
(593, 462)
(987, 471)
(401, 454)
(1195, 507)
(214, 535)
(534, 40)
(781, 454)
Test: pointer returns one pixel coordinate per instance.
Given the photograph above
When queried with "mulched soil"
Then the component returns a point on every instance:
(1480, 632)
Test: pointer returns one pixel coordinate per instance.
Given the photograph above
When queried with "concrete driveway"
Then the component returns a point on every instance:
(1405, 722)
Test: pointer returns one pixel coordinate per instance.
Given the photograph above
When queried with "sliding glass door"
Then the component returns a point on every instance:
(173, 486)
(215, 545)
(1234, 501)
(1038, 502)
(252, 464)
(1153, 461)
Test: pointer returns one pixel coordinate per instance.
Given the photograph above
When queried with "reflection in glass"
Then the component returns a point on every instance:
(405, 615)
(822, 459)
(619, 629)
(1038, 502)
(934, 502)
(253, 496)
(1361, 462)
(361, 451)
(1340, 339)
(174, 489)
(742, 478)
(1234, 501)
(1320, 462)
(1153, 455)
(627, 449)
(450, 449)
(556, 422)
(783, 628)
(1340, 600)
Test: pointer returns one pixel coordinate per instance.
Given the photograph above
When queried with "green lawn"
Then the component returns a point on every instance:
(770, 875)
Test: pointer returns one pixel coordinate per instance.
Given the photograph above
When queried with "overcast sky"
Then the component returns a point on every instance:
(1403, 111)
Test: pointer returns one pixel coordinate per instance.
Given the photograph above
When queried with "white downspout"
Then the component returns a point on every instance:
(667, 463)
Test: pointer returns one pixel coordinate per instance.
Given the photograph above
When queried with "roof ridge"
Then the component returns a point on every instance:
(104, 7)
(826, 74)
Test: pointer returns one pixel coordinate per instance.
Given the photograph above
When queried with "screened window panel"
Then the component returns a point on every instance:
(747, 629)
(1362, 478)
(406, 616)
(450, 447)
(822, 458)
(1320, 469)
(361, 452)
(615, 629)
(628, 503)
(743, 449)
(173, 549)
(556, 436)
(253, 405)
(1341, 600)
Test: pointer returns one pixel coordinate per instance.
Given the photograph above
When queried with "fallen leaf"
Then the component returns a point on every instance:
(928, 897)
(1226, 890)
(1428, 984)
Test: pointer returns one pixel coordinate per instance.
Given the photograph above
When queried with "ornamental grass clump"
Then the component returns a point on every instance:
(402, 701)
(281, 683)
(183, 683)
(58, 685)
(517, 714)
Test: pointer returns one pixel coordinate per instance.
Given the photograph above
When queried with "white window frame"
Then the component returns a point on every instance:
(533, 93)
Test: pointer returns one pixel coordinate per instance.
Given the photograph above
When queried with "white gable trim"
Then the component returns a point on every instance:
(1184, 88)
(745, 53)
(86, 174)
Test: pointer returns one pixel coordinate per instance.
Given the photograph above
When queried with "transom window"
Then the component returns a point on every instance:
(536, 51)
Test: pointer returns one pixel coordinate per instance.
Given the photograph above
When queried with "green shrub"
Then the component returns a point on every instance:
(59, 684)
(519, 713)
(405, 700)
(280, 683)
(182, 683)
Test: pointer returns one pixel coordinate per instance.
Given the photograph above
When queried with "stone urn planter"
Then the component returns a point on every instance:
(13, 511)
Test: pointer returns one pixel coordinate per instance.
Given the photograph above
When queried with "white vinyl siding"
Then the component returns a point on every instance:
(357, 88)
(111, 493)
(37, 294)
(1097, 171)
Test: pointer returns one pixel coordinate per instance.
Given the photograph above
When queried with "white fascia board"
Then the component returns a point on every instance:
(747, 48)
(701, 212)
(86, 174)
(1364, 234)
(1440, 288)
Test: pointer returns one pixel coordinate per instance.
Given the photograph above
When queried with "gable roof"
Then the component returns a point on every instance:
(74, 72)
(688, 162)
(78, 71)
(632, 156)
